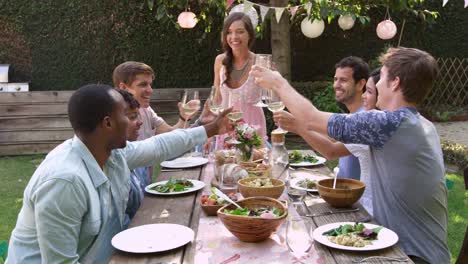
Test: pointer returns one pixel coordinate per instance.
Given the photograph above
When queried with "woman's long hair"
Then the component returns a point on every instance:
(227, 61)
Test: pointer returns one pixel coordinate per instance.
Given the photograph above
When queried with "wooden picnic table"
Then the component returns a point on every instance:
(185, 210)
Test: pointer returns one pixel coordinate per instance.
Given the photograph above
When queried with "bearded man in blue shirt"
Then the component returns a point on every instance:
(75, 201)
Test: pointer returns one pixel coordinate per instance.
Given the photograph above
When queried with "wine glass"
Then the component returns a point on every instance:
(216, 100)
(264, 60)
(190, 104)
(275, 104)
(236, 101)
(298, 235)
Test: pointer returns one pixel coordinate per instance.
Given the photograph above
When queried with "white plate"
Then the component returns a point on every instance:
(320, 160)
(197, 185)
(386, 237)
(184, 162)
(300, 175)
(152, 238)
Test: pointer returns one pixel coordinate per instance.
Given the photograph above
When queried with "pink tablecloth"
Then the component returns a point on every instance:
(215, 244)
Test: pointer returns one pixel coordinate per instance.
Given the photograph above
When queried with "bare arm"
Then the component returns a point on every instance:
(217, 69)
(300, 107)
(324, 145)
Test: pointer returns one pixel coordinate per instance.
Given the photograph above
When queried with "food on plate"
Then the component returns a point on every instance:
(297, 157)
(213, 199)
(260, 182)
(356, 235)
(173, 185)
(262, 212)
(307, 183)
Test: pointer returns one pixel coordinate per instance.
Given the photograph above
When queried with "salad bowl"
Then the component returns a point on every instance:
(249, 228)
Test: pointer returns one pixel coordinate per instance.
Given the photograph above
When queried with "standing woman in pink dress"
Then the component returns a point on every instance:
(231, 69)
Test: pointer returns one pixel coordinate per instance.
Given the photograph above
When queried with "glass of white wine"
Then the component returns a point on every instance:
(216, 100)
(190, 104)
(298, 235)
(236, 101)
(275, 104)
(264, 60)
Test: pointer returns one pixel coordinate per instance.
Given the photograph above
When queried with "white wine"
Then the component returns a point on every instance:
(216, 109)
(235, 116)
(275, 106)
(189, 109)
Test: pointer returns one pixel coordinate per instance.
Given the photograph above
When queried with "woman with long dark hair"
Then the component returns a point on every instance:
(231, 69)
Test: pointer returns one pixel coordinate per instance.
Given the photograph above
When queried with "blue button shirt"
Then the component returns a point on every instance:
(72, 208)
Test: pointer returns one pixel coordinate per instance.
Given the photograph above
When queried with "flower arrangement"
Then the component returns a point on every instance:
(248, 139)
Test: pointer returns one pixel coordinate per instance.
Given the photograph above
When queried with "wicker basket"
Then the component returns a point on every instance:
(250, 228)
(249, 191)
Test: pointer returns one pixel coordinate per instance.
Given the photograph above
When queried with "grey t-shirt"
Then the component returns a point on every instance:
(408, 176)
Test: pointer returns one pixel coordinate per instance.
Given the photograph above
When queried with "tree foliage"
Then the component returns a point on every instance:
(167, 10)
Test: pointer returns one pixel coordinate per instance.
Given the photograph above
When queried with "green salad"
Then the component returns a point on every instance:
(173, 185)
(358, 229)
(297, 157)
(259, 212)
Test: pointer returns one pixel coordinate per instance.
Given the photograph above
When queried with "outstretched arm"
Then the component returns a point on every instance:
(324, 145)
(300, 107)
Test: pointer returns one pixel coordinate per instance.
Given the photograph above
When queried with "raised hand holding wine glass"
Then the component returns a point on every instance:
(236, 102)
(264, 60)
(275, 104)
(190, 104)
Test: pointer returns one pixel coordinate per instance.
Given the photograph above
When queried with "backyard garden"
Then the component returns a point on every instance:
(53, 48)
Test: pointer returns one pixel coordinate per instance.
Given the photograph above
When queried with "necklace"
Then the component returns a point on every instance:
(237, 74)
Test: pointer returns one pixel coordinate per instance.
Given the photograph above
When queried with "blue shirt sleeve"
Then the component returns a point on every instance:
(372, 128)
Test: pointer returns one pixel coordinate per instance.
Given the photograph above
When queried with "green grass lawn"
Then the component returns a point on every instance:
(16, 171)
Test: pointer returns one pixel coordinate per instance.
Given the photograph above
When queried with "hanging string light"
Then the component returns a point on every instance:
(386, 29)
(346, 22)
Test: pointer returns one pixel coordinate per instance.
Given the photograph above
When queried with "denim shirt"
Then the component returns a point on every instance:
(70, 204)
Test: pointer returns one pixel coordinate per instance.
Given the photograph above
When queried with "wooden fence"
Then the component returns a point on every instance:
(450, 90)
(36, 122)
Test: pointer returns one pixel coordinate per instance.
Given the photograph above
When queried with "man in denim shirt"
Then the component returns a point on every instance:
(75, 202)
(406, 164)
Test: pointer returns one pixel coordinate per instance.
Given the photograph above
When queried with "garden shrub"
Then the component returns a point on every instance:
(456, 154)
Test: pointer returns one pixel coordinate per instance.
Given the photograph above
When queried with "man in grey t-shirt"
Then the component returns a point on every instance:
(406, 163)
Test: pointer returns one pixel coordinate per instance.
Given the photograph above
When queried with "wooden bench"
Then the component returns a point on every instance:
(36, 122)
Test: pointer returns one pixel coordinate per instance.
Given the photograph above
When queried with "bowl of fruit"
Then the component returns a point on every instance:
(210, 203)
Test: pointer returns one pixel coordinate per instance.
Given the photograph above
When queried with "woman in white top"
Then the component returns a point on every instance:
(332, 149)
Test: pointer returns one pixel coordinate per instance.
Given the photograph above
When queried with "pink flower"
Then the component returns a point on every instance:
(248, 135)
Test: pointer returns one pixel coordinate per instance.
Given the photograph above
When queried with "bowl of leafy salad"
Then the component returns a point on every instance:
(258, 218)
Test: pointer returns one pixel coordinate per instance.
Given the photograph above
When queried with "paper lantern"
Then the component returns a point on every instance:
(252, 13)
(312, 29)
(346, 22)
(386, 29)
(187, 19)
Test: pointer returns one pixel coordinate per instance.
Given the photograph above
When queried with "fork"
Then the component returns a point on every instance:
(401, 259)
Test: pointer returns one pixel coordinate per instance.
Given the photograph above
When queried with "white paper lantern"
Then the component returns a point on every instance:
(346, 22)
(312, 29)
(252, 13)
(187, 19)
(386, 29)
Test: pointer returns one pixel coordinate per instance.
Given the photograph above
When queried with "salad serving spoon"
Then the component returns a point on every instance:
(224, 196)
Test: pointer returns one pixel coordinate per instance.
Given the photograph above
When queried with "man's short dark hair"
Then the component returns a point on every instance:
(359, 66)
(89, 105)
(129, 99)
